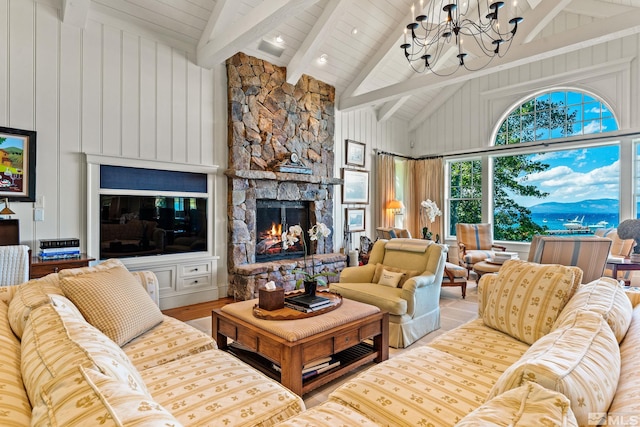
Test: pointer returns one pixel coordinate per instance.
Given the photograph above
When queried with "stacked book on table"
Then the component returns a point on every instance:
(501, 257)
(59, 249)
(307, 303)
(316, 367)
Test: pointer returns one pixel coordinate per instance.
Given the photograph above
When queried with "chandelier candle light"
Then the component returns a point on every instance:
(446, 30)
(428, 212)
(288, 239)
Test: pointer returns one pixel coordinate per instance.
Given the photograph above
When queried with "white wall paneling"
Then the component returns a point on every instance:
(362, 126)
(107, 90)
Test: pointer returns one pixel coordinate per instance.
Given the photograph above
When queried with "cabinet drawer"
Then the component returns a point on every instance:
(345, 340)
(194, 282)
(195, 269)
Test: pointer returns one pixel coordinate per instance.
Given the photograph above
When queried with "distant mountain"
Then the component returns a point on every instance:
(584, 206)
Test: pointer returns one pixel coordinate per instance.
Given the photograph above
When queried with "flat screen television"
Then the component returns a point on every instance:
(138, 225)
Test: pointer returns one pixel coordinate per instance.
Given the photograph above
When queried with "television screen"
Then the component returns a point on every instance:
(132, 226)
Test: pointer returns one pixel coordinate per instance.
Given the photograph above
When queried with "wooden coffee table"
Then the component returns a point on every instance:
(344, 333)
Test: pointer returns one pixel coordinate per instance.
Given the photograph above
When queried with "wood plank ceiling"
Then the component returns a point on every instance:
(360, 39)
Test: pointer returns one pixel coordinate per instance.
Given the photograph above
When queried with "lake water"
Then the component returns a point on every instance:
(556, 221)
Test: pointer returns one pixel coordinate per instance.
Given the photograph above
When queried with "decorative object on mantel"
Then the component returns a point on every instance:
(630, 229)
(446, 27)
(292, 165)
(428, 212)
(310, 280)
(271, 297)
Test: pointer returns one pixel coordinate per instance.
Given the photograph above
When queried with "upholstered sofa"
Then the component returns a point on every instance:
(411, 296)
(544, 350)
(88, 347)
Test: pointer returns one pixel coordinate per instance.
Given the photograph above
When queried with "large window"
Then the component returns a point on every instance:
(465, 200)
(556, 191)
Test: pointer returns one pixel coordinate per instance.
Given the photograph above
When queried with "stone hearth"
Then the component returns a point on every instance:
(269, 121)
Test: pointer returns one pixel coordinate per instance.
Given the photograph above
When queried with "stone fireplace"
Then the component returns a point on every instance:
(280, 150)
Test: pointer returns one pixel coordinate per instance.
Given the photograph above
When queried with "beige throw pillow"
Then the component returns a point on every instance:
(390, 278)
(407, 274)
(527, 297)
(112, 300)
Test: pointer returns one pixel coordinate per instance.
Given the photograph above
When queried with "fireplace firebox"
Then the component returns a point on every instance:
(273, 217)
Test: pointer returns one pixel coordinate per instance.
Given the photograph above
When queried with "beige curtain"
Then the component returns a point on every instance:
(425, 180)
(384, 189)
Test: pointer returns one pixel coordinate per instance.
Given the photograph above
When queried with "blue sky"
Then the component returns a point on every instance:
(12, 142)
(576, 175)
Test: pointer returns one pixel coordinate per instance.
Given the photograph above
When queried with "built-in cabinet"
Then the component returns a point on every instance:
(182, 281)
(186, 277)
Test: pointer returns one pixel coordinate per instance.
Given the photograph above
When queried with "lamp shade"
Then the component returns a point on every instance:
(395, 205)
(6, 210)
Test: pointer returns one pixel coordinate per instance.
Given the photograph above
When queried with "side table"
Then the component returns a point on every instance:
(622, 265)
(40, 268)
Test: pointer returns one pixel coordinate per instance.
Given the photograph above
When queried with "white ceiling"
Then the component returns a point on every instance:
(368, 68)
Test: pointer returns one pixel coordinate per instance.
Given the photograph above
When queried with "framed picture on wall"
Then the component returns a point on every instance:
(355, 219)
(355, 188)
(18, 165)
(355, 153)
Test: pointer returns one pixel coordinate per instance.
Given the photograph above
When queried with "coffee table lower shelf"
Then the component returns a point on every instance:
(350, 359)
(354, 343)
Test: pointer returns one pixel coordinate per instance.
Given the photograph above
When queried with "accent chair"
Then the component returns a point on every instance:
(475, 243)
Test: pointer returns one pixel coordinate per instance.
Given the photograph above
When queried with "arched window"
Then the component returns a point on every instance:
(557, 114)
(545, 189)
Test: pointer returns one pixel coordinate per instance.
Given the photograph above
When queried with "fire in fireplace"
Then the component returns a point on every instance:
(272, 218)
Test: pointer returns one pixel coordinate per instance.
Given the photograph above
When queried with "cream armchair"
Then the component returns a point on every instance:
(413, 302)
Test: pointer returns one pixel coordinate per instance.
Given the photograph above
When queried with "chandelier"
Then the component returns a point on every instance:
(457, 30)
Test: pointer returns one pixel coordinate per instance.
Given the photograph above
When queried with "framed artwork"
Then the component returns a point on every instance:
(355, 153)
(18, 165)
(355, 220)
(355, 188)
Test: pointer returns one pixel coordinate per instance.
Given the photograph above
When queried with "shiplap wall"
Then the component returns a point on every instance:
(362, 126)
(468, 119)
(99, 90)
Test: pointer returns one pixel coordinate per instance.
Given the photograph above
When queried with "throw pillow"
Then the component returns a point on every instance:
(84, 396)
(582, 362)
(389, 278)
(604, 296)
(407, 274)
(111, 299)
(527, 298)
(527, 405)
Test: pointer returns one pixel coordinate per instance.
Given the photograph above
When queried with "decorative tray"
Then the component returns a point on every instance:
(287, 313)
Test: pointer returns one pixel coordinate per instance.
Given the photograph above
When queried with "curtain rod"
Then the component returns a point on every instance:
(431, 156)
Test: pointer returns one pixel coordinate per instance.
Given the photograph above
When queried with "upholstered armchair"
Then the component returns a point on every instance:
(403, 277)
(15, 262)
(588, 253)
(475, 243)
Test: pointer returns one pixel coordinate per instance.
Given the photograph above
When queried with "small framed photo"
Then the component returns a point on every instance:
(355, 220)
(18, 166)
(355, 153)
(355, 188)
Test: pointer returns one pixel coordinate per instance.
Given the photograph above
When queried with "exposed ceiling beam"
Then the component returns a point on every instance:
(540, 17)
(221, 16)
(389, 108)
(316, 37)
(263, 18)
(75, 12)
(597, 9)
(582, 37)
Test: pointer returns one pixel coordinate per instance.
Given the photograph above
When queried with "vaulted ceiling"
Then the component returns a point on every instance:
(360, 39)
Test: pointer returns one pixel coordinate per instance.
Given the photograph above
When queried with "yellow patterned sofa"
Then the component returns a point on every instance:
(544, 350)
(90, 347)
